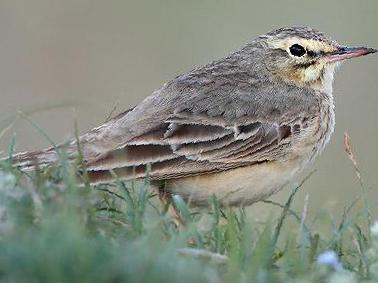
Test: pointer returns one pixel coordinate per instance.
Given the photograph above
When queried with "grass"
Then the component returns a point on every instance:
(52, 229)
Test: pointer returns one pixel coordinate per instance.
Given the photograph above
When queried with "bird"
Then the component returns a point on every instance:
(239, 128)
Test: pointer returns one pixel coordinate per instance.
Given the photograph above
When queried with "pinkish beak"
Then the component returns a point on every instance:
(343, 53)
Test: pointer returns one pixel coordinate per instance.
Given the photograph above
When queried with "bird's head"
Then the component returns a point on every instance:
(304, 56)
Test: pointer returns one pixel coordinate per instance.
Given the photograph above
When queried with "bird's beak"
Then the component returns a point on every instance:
(343, 53)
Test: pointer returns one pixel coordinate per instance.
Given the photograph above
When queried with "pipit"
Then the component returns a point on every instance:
(239, 128)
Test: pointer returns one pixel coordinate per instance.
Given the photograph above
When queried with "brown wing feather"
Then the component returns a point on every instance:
(186, 148)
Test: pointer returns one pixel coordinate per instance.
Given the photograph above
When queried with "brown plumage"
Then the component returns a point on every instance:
(240, 127)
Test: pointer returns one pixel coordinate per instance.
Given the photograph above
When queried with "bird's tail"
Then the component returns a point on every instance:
(41, 158)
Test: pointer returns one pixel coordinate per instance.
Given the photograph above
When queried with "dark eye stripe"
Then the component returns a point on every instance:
(311, 53)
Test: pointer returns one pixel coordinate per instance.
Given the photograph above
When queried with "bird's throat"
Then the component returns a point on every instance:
(318, 77)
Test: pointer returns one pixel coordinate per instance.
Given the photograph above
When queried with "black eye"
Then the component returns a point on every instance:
(297, 50)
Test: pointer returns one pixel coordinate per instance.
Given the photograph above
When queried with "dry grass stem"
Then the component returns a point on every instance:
(349, 152)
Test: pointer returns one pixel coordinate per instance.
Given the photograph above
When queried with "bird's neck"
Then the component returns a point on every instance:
(325, 81)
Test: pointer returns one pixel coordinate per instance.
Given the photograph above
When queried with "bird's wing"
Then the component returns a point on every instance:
(212, 133)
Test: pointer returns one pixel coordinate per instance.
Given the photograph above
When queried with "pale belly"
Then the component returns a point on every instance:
(240, 186)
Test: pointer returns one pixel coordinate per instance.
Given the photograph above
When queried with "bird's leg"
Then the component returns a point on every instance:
(165, 198)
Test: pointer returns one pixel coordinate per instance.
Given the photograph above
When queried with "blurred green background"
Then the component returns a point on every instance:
(78, 59)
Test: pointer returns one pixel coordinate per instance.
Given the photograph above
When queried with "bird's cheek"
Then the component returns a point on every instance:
(312, 73)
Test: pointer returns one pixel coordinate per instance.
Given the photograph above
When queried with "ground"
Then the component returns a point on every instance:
(54, 229)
